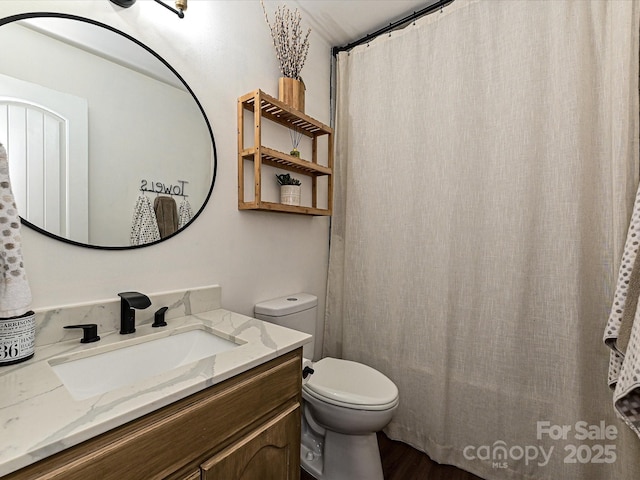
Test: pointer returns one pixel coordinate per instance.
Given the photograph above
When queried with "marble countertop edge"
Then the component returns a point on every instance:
(31, 433)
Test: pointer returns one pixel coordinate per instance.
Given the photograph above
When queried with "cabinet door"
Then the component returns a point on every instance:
(271, 452)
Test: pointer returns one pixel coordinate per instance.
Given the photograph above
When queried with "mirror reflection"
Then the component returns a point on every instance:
(103, 137)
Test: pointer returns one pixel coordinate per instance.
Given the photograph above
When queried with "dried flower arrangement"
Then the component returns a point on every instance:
(291, 46)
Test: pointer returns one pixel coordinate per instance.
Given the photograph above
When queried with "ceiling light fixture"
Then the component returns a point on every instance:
(181, 5)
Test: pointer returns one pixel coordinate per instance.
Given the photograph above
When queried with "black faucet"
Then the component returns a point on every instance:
(131, 300)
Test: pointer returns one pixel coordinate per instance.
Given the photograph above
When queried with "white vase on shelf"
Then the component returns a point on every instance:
(290, 194)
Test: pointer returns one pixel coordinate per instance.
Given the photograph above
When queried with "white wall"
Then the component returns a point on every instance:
(223, 49)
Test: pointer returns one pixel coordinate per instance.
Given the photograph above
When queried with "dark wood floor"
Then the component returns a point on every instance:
(402, 462)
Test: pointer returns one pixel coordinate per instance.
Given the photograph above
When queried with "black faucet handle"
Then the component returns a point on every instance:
(158, 318)
(90, 332)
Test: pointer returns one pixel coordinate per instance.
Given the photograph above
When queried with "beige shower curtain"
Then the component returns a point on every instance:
(486, 165)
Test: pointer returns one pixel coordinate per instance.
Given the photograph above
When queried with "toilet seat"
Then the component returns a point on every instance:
(351, 385)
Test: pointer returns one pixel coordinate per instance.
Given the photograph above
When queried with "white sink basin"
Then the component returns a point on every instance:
(103, 372)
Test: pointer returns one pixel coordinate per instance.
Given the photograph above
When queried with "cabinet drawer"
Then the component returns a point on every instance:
(184, 432)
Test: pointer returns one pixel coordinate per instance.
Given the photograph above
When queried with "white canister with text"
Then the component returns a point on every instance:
(17, 338)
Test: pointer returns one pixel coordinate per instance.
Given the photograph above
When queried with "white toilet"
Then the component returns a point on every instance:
(345, 403)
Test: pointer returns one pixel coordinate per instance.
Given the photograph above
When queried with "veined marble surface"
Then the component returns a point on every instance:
(106, 313)
(39, 417)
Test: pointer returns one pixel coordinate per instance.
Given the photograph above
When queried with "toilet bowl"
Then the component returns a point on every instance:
(344, 402)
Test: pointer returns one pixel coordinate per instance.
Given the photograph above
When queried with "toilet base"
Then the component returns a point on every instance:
(311, 448)
(337, 456)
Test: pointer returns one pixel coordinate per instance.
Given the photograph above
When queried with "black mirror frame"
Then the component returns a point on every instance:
(24, 16)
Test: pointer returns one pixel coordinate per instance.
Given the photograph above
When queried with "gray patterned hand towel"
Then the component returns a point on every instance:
(185, 213)
(144, 227)
(15, 293)
(622, 333)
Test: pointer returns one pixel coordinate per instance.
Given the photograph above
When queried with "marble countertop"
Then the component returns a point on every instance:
(39, 417)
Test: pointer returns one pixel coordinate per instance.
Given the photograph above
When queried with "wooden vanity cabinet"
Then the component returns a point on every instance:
(245, 428)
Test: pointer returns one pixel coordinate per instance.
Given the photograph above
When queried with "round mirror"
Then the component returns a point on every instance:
(108, 147)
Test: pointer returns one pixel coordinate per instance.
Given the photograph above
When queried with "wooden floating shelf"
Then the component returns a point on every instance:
(282, 208)
(282, 114)
(287, 162)
(278, 112)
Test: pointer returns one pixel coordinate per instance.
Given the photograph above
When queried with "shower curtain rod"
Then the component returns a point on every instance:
(392, 26)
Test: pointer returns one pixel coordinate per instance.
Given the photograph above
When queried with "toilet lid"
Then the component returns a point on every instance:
(350, 383)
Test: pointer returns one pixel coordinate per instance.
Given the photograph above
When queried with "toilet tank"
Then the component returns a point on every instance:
(297, 311)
